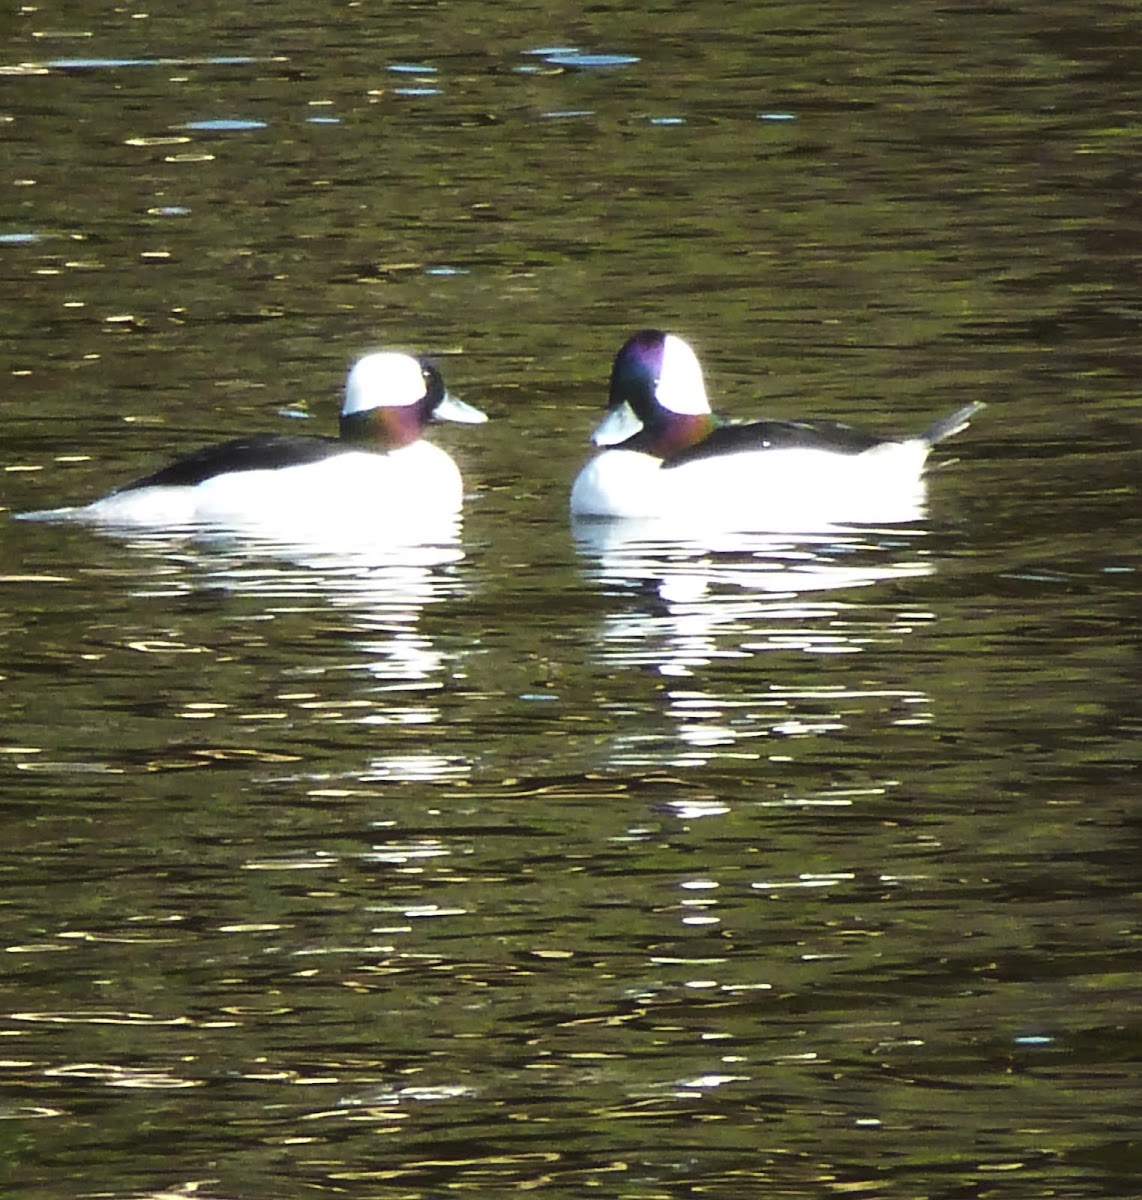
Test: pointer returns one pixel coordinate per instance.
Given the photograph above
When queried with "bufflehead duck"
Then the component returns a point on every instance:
(665, 455)
(378, 473)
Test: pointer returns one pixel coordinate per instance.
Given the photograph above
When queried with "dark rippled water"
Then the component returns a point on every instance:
(552, 861)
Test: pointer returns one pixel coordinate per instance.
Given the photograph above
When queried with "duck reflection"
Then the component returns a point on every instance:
(350, 646)
(721, 603)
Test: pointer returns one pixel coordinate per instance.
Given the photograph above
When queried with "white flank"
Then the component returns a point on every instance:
(389, 495)
(795, 489)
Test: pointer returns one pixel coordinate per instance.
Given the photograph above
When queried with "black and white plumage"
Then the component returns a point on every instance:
(664, 454)
(379, 473)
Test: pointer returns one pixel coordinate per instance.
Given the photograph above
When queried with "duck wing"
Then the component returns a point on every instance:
(755, 436)
(259, 453)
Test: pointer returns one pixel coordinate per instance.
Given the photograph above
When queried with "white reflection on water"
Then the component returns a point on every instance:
(705, 612)
(692, 566)
(734, 595)
(425, 767)
(378, 590)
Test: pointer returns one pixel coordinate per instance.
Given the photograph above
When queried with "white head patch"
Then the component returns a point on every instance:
(680, 386)
(386, 379)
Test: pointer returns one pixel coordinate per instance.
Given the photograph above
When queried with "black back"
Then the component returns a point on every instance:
(777, 435)
(264, 452)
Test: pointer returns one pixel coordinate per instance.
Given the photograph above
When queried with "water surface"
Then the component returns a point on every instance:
(550, 860)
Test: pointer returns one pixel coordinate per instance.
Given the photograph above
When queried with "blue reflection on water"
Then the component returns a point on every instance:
(587, 62)
(18, 239)
(572, 56)
(93, 64)
(97, 63)
(225, 124)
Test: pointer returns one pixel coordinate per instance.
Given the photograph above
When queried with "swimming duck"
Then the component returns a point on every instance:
(379, 472)
(664, 454)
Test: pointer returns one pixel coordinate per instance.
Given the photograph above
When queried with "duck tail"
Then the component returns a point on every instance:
(47, 514)
(945, 427)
